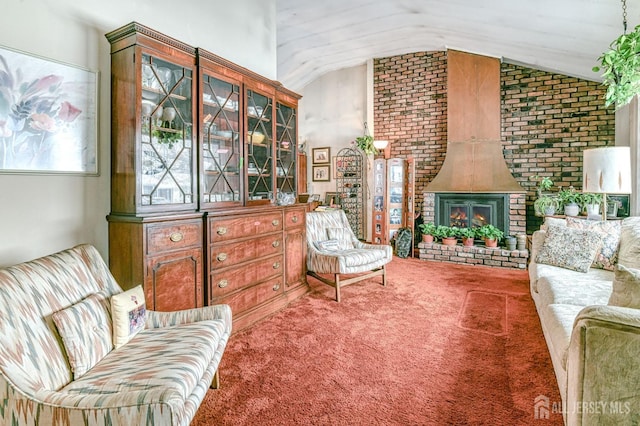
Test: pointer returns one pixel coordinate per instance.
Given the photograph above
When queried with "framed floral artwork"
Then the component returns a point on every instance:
(48, 116)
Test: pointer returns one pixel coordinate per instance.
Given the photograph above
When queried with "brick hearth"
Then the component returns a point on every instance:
(476, 255)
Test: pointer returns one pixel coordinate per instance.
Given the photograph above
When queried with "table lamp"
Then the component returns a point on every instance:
(606, 171)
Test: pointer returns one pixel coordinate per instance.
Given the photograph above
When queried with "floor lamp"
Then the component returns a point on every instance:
(606, 171)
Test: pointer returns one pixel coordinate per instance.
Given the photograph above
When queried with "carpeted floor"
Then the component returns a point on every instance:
(442, 344)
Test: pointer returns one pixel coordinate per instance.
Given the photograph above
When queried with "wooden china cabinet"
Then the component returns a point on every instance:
(203, 158)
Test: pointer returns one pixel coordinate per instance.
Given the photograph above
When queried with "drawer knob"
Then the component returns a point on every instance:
(276, 265)
(294, 219)
(222, 257)
(275, 222)
(276, 287)
(276, 243)
(222, 230)
(176, 237)
(223, 283)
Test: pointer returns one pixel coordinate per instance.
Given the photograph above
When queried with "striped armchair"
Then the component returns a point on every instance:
(333, 249)
(158, 378)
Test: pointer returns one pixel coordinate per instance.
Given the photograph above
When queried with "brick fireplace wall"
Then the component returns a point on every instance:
(547, 120)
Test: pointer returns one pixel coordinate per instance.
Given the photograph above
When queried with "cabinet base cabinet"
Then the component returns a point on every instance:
(295, 248)
(164, 254)
(173, 281)
(256, 260)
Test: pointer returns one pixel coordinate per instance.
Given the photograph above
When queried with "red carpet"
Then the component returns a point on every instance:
(442, 344)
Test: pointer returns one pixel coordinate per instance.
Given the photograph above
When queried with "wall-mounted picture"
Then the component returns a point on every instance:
(48, 116)
(321, 155)
(321, 173)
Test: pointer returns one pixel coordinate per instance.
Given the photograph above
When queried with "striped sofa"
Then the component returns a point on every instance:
(158, 378)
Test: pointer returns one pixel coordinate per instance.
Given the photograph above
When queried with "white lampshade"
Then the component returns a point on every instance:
(607, 170)
(380, 144)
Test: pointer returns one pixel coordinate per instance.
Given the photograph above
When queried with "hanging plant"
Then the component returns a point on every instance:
(621, 66)
(365, 142)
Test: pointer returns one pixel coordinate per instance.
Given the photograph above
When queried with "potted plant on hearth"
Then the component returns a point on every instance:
(570, 199)
(467, 234)
(427, 230)
(490, 234)
(450, 235)
(441, 232)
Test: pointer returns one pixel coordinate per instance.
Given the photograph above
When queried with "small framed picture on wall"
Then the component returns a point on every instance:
(321, 173)
(321, 155)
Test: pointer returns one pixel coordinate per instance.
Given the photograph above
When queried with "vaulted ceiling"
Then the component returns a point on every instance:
(567, 36)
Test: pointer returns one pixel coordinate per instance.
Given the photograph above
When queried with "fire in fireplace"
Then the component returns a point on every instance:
(472, 210)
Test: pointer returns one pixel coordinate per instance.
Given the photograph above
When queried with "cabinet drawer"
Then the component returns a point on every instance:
(294, 217)
(173, 236)
(225, 281)
(244, 226)
(225, 255)
(248, 298)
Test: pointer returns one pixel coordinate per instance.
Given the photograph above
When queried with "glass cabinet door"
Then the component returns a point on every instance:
(286, 149)
(167, 149)
(221, 149)
(260, 162)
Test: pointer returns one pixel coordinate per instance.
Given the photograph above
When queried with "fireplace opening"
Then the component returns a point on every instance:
(472, 210)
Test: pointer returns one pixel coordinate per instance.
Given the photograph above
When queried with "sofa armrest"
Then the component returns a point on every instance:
(144, 406)
(537, 239)
(157, 319)
(603, 367)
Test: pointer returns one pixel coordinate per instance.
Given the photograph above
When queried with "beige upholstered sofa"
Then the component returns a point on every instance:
(594, 346)
(158, 378)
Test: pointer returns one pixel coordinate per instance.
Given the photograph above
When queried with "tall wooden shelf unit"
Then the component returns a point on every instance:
(393, 198)
(200, 149)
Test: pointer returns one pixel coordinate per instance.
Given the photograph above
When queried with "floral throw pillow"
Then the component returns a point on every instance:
(626, 288)
(607, 256)
(129, 313)
(86, 331)
(569, 248)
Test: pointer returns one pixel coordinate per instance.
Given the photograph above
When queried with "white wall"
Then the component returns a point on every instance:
(42, 214)
(332, 113)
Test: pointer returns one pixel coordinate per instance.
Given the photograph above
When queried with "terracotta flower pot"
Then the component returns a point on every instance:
(427, 238)
(449, 241)
(491, 243)
(467, 241)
